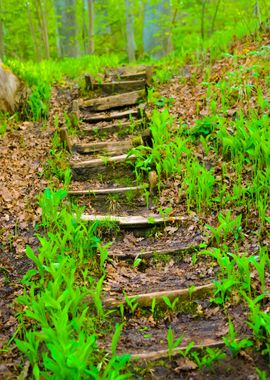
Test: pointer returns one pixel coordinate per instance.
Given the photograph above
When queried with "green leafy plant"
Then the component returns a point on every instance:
(207, 360)
(170, 304)
(234, 344)
(172, 343)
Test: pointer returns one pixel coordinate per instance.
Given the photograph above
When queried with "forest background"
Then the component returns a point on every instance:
(138, 29)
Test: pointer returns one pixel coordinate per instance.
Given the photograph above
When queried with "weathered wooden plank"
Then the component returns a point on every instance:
(155, 252)
(116, 115)
(110, 128)
(85, 169)
(133, 221)
(110, 147)
(131, 73)
(162, 354)
(108, 191)
(146, 299)
(114, 101)
(113, 87)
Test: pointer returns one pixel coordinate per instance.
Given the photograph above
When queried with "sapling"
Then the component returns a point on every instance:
(172, 344)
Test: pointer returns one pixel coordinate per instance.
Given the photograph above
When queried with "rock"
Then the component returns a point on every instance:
(11, 90)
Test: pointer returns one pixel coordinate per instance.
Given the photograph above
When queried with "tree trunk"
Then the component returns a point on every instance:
(91, 18)
(41, 9)
(130, 32)
(215, 16)
(2, 45)
(203, 19)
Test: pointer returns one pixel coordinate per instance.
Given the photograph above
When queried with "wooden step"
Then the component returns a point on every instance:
(147, 254)
(108, 191)
(114, 101)
(111, 128)
(109, 116)
(113, 87)
(85, 169)
(177, 352)
(131, 74)
(133, 221)
(111, 148)
(146, 299)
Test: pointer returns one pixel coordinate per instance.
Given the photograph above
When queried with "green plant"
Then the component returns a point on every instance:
(262, 374)
(211, 355)
(234, 344)
(131, 303)
(227, 225)
(170, 304)
(172, 343)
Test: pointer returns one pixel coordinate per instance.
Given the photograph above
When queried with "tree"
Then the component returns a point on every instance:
(67, 27)
(41, 11)
(91, 23)
(130, 32)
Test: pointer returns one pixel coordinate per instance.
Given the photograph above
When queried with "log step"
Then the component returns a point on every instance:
(131, 74)
(114, 87)
(110, 116)
(86, 169)
(105, 192)
(111, 128)
(133, 221)
(145, 299)
(173, 251)
(114, 101)
(177, 352)
(98, 162)
(111, 148)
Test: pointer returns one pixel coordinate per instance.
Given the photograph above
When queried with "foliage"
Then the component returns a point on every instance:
(53, 297)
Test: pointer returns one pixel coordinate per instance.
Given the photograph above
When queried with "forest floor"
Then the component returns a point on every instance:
(153, 260)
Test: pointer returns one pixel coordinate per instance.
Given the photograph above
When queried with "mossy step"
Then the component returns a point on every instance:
(114, 101)
(108, 191)
(145, 299)
(137, 221)
(114, 87)
(87, 168)
(94, 130)
(147, 254)
(108, 147)
(91, 118)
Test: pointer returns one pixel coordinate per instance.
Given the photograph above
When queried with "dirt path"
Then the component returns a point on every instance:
(151, 255)
(154, 275)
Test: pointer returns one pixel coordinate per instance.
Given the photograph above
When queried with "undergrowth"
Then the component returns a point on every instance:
(59, 326)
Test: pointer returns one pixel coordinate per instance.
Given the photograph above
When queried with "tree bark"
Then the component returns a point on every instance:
(130, 32)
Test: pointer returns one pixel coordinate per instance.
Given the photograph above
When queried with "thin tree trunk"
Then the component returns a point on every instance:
(215, 16)
(33, 34)
(130, 32)
(2, 45)
(42, 17)
(91, 18)
(167, 12)
(203, 19)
